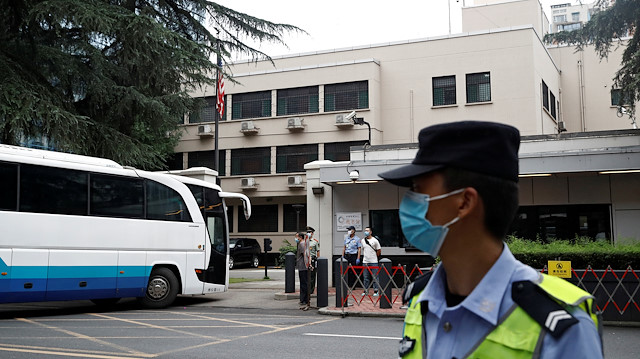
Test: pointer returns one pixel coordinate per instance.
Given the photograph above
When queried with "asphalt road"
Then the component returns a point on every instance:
(245, 322)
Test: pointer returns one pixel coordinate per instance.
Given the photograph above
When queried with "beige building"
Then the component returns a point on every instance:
(283, 115)
(567, 17)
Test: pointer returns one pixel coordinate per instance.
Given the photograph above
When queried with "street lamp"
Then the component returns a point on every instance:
(298, 208)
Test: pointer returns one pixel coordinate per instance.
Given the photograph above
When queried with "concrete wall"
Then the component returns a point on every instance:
(498, 14)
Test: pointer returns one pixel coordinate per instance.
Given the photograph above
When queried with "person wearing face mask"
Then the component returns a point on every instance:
(351, 252)
(370, 252)
(302, 265)
(480, 302)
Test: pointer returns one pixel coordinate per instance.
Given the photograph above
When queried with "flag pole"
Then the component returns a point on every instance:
(215, 134)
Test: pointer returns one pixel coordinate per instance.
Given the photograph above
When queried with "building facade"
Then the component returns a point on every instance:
(295, 111)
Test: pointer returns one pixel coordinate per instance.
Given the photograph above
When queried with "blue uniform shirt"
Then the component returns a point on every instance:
(352, 244)
(478, 314)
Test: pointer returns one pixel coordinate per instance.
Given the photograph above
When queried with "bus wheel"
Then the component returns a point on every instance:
(105, 302)
(162, 289)
(255, 262)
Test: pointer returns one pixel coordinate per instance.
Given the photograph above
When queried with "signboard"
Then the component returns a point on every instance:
(346, 219)
(560, 269)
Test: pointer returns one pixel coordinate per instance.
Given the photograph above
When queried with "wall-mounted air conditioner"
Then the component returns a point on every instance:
(295, 123)
(205, 131)
(248, 183)
(561, 127)
(342, 121)
(295, 181)
(248, 128)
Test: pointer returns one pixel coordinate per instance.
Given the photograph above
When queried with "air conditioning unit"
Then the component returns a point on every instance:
(342, 121)
(294, 181)
(295, 123)
(205, 131)
(561, 127)
(248, 183)
(248, 128)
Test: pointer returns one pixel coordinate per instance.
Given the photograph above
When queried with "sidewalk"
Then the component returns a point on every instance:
(365, 306)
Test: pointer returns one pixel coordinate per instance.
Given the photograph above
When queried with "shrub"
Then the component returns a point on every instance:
(285, 248)
(582, 252)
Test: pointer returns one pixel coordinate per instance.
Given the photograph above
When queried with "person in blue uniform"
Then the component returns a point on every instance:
(480, 302)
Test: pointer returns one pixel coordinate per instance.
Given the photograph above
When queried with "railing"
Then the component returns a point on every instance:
(617, 292)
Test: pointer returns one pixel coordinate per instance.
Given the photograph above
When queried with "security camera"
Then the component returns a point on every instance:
(354, 175)
(350, 116)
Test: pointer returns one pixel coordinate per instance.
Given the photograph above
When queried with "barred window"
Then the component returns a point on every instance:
(478, 87)
(616, 95)
(264, 218)
(293, 158)
(207, 159)
(298, 100)
(208, 111)
(552, 104)
(545, 96)
(346, 96)
(340, 151)
(245, 161)
(444, 90)
(251, 105)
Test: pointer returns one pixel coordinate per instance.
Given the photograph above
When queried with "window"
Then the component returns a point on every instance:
(116, 196)
(478, 87)
(298, 100)
(230, 217)
(264, 218)
(53, 190)
(444, 90)
(251, 105)
(245, 161)
(545, 96)
(340, 151)
(175, 161)
(9, 185)
(562, 222)
(207, 159)
(292, 221)
(560, 18)
(570, 27)
(165, 204)
(615, 98)
(208, 112)
(346, 96)
(575, 16)
(293, 158)
(552, 103)
(385, 225)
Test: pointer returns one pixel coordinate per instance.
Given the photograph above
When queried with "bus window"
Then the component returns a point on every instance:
(116, 196)
(9, 185)
(53, 190)
(165, 204)
(215, 226)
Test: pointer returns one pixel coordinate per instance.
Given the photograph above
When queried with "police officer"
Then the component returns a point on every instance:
(480, 302)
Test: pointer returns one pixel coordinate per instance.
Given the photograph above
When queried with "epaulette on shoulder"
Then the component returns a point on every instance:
(539, 305)
(416, 286)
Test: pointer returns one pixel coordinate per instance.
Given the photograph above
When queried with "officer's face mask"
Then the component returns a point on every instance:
(415, 226)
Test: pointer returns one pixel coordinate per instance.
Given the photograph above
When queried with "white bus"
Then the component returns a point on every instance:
(76, 227)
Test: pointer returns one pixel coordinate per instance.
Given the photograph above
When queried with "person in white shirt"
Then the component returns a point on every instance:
(371, 251)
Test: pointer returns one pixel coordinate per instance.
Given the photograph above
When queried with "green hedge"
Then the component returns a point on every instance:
(582, 252)
(285, 248)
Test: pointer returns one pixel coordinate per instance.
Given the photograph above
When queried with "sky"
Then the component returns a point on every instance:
(334, 24)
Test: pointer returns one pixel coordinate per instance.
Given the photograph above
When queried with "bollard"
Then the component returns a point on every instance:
(385, 283)
(340, 265)
(322, 300)
(289, 273)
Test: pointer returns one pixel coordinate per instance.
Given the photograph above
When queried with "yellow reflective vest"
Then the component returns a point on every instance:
(517, 336)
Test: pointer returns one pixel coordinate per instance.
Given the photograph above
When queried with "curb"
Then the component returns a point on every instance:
(352, 313)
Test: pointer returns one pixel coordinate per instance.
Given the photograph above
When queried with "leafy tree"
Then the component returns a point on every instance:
(606, 28)
(110, 78)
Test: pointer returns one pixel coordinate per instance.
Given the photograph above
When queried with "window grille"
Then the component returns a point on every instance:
(444, 90)
(545, 96)
(615, 97)
(245, 161)
(340, 151)
(293, 158)
(346, 96)
(298, 100)
(552, 104)
(478, 87)
(208, 112)
(251, 105)
(174, 161)
(264, 218)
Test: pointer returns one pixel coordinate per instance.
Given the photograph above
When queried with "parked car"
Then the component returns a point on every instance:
(244, 251)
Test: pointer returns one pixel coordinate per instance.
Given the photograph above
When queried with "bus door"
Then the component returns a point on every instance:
(215, 217)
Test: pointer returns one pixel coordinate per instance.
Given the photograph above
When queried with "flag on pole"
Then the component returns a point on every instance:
(220, 99)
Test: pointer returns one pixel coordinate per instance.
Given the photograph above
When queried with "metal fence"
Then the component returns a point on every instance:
(617, 292)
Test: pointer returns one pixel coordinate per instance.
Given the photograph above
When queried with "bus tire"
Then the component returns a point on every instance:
(105, 302)
(162, 289)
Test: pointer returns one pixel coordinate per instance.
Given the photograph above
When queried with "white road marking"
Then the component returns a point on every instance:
(351, 336)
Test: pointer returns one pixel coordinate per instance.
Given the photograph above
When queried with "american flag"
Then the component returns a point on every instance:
(220, 99)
